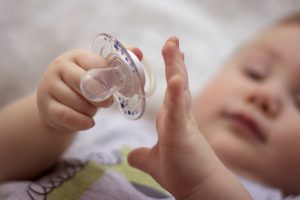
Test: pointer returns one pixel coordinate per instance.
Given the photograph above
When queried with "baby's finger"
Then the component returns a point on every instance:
(136, 51)
(177, 99)
(68, 118)
(176, 104)
(67, 96)
(72, 74)
(140, 158)
(79, 62)
(87, 59)
(174, 60)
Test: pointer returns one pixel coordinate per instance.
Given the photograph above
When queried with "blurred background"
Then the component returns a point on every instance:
(33, 33)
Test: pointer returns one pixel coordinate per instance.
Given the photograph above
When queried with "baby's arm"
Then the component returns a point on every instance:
(27, 146)
(182, 161)
(35, 130)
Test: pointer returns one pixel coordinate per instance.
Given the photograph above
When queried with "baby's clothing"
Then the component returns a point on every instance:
(95, 167)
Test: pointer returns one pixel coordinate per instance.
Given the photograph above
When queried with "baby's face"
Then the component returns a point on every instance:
(250, 111)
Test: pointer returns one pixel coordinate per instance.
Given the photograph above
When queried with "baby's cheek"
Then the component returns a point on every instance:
(283, 143)
(285, 133)
(204, 112)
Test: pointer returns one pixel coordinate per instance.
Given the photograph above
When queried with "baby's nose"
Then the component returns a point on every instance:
(267, 102)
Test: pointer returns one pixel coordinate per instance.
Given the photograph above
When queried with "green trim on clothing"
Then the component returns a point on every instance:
(78, 184)
(133, 174)
(92, 171)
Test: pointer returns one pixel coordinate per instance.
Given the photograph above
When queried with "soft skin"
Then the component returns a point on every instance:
(36, 130)
(250, 111)
(182, 160)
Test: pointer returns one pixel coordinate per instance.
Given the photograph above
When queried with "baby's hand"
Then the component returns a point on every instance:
(59, 98)
(182, 159)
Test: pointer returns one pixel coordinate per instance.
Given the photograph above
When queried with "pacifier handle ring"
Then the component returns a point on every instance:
(152, 80)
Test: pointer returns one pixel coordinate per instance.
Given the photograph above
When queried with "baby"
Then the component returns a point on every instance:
(245, 121)
(250, 112)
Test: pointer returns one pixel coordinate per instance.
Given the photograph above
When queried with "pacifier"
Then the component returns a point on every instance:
(125, 78)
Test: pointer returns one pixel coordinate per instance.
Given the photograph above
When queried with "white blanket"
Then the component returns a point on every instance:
(32, 33)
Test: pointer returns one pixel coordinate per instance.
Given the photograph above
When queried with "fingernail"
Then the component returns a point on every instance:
(175, 39)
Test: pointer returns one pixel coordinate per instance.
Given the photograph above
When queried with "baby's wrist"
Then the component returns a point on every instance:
(205, 188)
(222, 184)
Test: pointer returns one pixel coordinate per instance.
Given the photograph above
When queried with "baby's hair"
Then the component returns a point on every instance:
(293, 18)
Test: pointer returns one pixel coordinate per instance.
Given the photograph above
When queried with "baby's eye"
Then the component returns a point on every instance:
(255, 72)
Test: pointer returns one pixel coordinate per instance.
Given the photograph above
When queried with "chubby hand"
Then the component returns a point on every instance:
(59, 98)
(182, 159)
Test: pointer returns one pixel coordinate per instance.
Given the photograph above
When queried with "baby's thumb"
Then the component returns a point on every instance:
(139, 158)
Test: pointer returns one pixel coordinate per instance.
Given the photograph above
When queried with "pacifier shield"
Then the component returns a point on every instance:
(123, 78)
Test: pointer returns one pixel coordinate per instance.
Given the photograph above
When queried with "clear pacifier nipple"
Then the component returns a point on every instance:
(124, 78)
(99, 84)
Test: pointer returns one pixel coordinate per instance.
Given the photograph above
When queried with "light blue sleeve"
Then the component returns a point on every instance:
(262, 192)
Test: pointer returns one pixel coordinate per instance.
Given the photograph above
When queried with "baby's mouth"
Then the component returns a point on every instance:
(246, 125)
